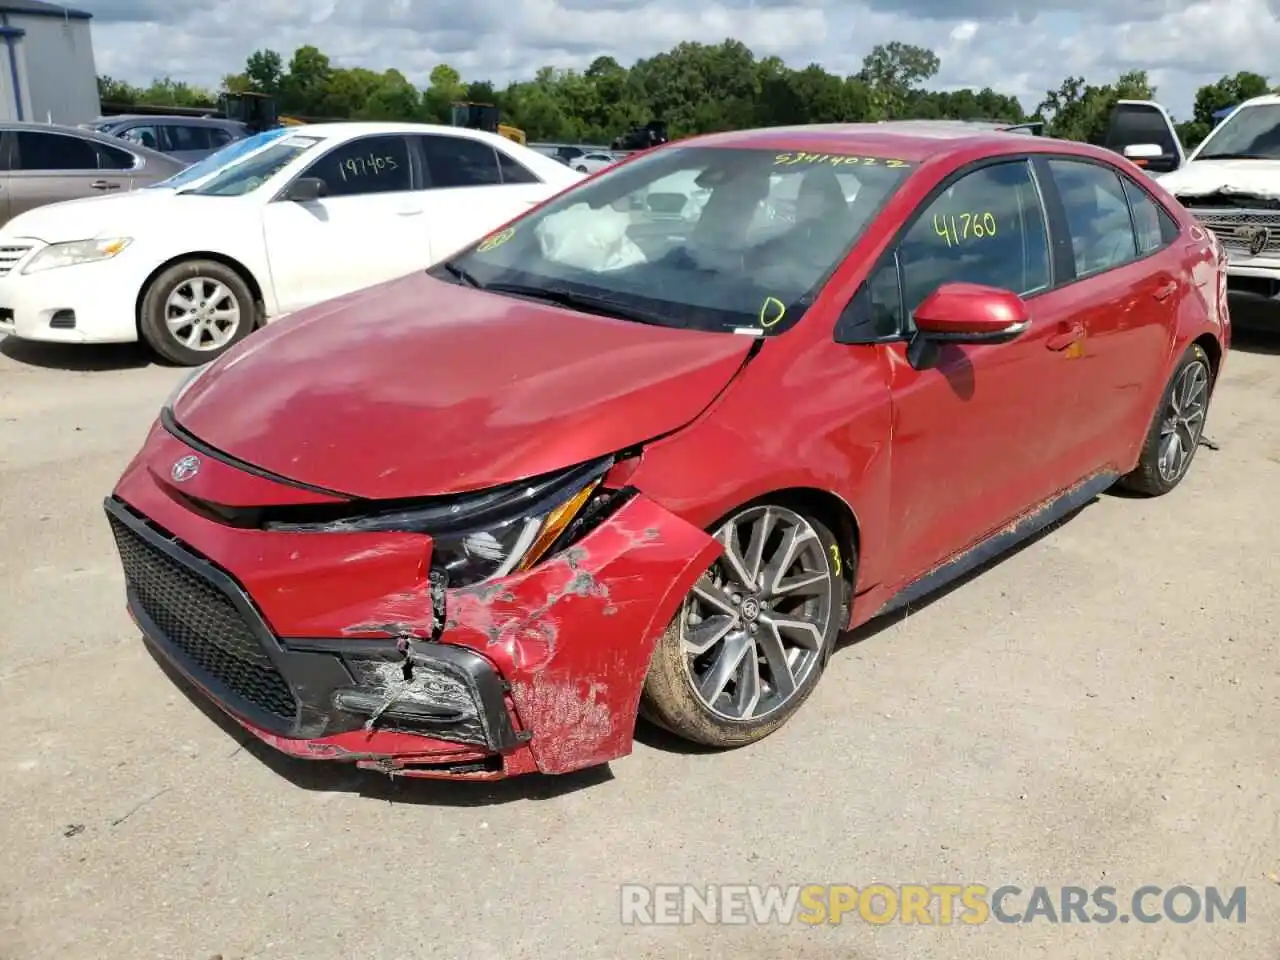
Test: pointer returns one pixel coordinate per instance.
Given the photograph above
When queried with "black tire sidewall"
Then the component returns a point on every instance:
(1147, 478)
(669, 701)
(155, 330)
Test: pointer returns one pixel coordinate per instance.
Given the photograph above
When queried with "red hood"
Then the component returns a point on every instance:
(419, 387)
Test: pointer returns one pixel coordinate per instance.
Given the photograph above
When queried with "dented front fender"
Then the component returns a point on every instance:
(575, 634)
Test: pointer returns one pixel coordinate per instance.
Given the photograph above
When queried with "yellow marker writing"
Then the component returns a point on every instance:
(835, 559)
(958, 228)
(832, 159)
(771, 312)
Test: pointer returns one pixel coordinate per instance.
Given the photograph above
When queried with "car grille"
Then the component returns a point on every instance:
(10, 255)
(201, 624)
(1234, 229)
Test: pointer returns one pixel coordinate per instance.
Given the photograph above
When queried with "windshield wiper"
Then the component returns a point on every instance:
(458, 273)
(605, 306)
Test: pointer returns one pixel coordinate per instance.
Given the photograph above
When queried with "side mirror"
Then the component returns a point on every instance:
(1151, 157)
(965, 313)
(306, 189)
(1143, 151)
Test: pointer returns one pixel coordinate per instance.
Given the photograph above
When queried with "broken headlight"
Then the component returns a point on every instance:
(478, 536)
(488, 553)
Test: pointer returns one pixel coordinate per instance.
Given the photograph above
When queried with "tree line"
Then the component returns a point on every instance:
(694, 88)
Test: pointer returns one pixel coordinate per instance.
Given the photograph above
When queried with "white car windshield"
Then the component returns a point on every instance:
(220, 158)
(249, 173)
(703, 237)
(1252, 133)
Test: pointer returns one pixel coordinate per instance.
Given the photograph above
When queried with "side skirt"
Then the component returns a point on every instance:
(1028, 525)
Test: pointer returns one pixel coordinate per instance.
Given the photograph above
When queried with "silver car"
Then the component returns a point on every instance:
(187, 138)
(46, 163)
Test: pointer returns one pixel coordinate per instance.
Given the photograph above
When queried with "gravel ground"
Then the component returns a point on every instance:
(1099, 708)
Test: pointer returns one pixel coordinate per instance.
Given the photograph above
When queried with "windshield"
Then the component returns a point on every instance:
(249, 173)
(220, 158)
(701, 237)
(1253, 133)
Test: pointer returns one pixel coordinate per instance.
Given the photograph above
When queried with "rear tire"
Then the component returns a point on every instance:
(750, 642)
(195, 311)
(1175, 431)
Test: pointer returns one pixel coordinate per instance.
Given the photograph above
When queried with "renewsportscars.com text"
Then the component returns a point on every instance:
(939, 904)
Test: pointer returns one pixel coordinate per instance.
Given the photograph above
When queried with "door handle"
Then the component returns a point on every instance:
(1168, 290)
(409, 212)
(104, 185)
(1060, 341)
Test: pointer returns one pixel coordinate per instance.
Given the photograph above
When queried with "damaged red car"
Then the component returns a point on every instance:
(649, 449)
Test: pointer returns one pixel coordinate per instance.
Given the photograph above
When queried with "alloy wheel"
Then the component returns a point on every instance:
(1183, 421)
(202, 314)
(754, 626)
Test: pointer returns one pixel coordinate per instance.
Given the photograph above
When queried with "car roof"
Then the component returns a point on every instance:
(913, 141)
(349, 127)
(168, 118)
(1266, 100)
(94, 135)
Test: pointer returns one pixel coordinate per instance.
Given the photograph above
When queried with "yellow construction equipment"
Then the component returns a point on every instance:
(257, 111)
(485, 116)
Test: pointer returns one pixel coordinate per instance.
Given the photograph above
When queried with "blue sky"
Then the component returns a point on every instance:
(1016, 46)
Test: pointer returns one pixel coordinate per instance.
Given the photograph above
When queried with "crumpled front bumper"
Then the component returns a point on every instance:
(324, 645)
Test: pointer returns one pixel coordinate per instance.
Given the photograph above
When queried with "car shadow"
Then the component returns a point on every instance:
(75, 357)
(1248, 339)
(327, 776)
(654, 736)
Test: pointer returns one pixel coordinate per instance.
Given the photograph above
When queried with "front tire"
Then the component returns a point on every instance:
(195, 311)
(751, 640)
(1175, 431)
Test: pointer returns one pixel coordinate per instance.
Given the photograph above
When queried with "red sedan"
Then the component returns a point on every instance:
(626, 457)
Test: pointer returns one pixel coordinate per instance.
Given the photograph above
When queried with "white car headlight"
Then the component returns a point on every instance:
(76, 251)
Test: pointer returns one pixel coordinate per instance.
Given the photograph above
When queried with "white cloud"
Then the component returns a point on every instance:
(1014, 46)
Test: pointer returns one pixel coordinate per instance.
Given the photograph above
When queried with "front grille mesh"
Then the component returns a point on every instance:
(202, 623)
(10, 255)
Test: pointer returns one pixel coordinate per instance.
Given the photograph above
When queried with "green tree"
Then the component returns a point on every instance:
(1225, 92)
(893, 72)
(306, 83)
(694, 87)
(265, 71)
(111, 90)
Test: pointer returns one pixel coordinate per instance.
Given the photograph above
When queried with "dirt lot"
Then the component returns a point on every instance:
(1100, 708)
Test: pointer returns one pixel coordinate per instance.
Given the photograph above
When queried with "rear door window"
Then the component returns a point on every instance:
(513, 171)
(113, 158)
(459, 162)
(1152, 224)
(186, 139)
(1098, 218)
(54, 151)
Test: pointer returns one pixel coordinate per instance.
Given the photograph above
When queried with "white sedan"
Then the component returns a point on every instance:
(259, 230)
(593, 162)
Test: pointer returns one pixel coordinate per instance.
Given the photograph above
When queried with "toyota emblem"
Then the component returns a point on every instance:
(1257, 238)
(185, 468)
